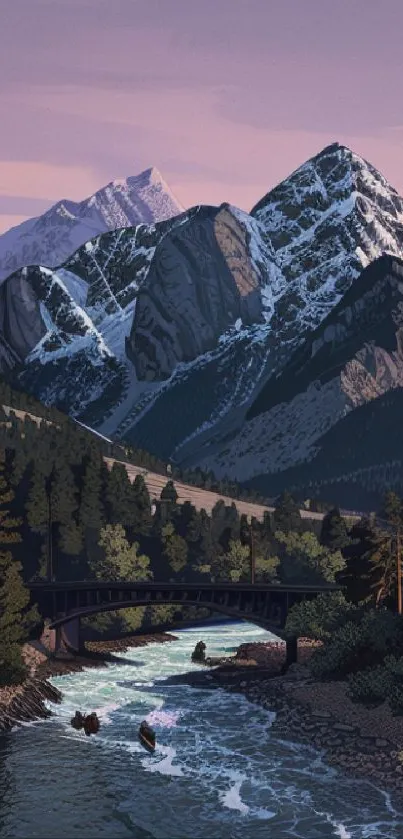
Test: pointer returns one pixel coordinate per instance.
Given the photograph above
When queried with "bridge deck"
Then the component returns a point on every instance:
(166, 586)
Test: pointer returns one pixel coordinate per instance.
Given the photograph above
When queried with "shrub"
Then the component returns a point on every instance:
(366, 640)
(13, 670)
(318, 618)
(340, 654)
(370, 687)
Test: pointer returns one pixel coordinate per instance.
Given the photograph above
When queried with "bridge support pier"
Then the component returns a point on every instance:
(68, 636)
(291, 653)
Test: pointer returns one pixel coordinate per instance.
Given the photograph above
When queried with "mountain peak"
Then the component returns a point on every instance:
(333, 147)
(124, 202)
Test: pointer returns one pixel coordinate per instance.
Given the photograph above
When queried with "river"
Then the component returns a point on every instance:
(218, 771)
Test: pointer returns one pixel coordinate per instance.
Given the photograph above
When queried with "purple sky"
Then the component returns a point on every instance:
(224, 97)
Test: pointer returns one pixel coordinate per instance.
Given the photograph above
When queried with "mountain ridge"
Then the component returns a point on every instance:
(199, 312)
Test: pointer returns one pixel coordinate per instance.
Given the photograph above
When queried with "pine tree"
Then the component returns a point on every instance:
(203, 554)
(334, 533)
(366, 570)
(39, 515)
(19, 466)
(141, 515)
(244, 529)
(392, 510)
(287, 516)
(168, 502)
(231, 529)
(392, 514)
(91, 513)
(119, 496)
(64, 505)
(218, 527)
(15, 618)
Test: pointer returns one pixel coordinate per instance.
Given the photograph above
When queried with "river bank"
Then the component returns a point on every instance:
(26, 702)
(367, 742)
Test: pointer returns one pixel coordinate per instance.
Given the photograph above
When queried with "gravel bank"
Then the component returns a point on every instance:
(367, 742)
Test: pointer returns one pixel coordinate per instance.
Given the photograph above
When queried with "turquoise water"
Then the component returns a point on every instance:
(219, 771)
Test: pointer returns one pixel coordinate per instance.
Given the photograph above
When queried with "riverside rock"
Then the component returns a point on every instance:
(26, 702)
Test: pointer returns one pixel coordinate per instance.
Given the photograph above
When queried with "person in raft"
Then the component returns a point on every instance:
(147, 732)
(78, 721)
(91, 724)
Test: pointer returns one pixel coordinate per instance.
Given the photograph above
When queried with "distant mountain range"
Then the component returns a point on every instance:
(242, 343)
(52, 237)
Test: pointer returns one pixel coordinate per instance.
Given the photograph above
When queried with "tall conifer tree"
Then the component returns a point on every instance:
(287, 516)
(141, 511)
(15, 617)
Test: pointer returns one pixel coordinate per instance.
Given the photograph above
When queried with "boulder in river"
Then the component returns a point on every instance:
(199, 652)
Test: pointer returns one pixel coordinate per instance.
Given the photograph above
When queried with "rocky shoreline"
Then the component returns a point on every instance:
(26, 702)
(367, 742)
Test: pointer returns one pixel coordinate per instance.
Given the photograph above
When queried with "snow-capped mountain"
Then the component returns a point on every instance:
(189, 320)
(109, 280)
(321, 226)
(52, 237)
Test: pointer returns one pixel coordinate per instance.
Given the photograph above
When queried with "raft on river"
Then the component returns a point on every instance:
(147, 736)
(90, 723)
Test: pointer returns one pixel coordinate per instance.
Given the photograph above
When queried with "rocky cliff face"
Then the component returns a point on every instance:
(200, 283)
(49, 345)
(21, 324)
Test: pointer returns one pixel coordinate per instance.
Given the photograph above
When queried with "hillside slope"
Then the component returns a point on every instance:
(330, 415)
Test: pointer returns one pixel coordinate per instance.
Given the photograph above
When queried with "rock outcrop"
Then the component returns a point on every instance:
(200, 283)
(21, 323)
(26, 702)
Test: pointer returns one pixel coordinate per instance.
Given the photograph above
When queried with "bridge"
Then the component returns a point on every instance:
(265, 605)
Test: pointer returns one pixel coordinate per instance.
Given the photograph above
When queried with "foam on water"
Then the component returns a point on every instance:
(340, 829)
(232, 799)
(165, 766)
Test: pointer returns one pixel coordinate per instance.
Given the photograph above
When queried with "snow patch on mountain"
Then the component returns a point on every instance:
(76, 286)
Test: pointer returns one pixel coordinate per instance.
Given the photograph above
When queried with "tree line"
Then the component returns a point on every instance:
(21, 401)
